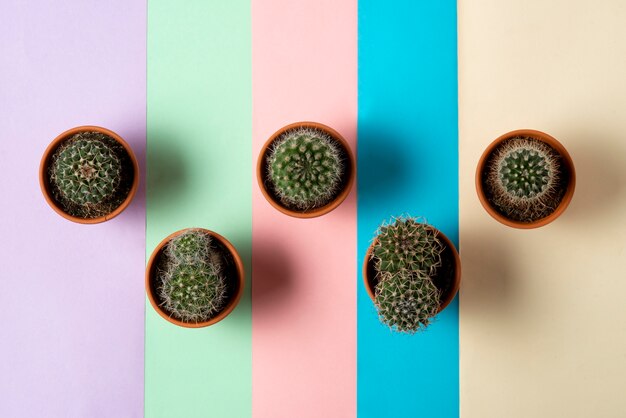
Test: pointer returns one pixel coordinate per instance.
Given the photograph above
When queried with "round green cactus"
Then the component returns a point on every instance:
(192, 292)
(191, 287)
(523, 179)
(87, 174)
(305, 168)
(406, 244)
(406, 301)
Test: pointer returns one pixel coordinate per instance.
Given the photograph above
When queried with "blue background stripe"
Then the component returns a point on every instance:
(408, 163)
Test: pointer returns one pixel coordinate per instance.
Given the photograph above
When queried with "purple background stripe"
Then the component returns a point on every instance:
(72, 299)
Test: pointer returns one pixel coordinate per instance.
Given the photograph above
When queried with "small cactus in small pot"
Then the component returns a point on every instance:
(411, 272)
(194, 278)
(305, 169)
(525, 179)
(89, 174)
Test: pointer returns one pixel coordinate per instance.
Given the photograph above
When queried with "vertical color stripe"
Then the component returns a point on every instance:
(71, 295)
(407, 164)
(304, 322)
(543, 329)
(199, 165)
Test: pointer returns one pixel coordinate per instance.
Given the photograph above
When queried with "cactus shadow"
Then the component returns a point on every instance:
(167, 170)
(600, 176)
(383, 170)
(272, 277)
(486, 282)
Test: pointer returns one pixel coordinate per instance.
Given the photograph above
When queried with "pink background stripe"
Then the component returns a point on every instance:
(303, 270)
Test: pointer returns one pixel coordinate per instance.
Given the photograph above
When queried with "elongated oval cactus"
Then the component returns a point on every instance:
(406, 255)
(523, 179)
(89, 174)
(406, 244)
(305, 168)
(406, 301)
(191, 286)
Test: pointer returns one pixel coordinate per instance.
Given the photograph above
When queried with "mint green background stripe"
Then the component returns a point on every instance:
(199, 162)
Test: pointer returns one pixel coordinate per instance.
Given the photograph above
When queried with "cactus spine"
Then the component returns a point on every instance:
(305, 168)
(191, 285)
(88, 175)
(523, 179)
(406, 255)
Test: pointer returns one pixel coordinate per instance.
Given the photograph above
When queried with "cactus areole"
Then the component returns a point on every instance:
(412, 272)
(525, 179)
(88, 174)
(305, 169)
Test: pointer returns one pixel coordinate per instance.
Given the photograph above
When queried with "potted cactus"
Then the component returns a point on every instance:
(194, 278)
(305, 169)
(412, 272)
(525, 179)
(88, 174)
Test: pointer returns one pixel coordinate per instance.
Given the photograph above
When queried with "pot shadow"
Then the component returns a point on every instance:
(272, 275)
(383, 169)
(166, 173)
(600, 176)
(486, 283)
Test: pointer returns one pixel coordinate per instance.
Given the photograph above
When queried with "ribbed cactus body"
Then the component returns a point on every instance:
(90, 174)
(406, 301)
(523, 179)
(406, 256)
(192, 287)
(407, 245)
(305, 168)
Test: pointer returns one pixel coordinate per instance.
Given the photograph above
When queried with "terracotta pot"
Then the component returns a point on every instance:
(44, 181)
(447, 279)
(234, 273)
(267, 189)
(568, 166)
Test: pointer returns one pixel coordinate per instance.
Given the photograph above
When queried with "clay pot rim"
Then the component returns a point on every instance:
(567, 197)
(323, 209)
(44, 182)
(457, 270)
(232, 303)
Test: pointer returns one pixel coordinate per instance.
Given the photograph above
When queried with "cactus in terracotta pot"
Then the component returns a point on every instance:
(89, 174)
(524, 179)
(191, 285)
(305, 168)
(406, 255)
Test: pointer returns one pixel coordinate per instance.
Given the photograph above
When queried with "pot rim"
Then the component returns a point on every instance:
(540, 136)
(322, 210)
(44, 181)
(232, 303)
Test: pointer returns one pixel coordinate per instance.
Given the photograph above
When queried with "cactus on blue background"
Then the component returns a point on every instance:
(523, 179)
(406, 255)
(305, 168)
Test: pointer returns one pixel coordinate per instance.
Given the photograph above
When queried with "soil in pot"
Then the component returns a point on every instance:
(88, 174)
(194, 278)
(305, 169)
(525, 179)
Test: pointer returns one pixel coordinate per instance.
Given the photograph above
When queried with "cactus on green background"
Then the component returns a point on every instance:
(406, 301)
(191, 285)
(305, 168)
(523, 179)
(406, 255)
(87, 175)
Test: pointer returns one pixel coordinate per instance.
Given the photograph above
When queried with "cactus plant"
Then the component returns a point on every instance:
(305, 168)
(406, 255)
(191, 286)
(406, 301)
(524, 179)
(89, 175)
